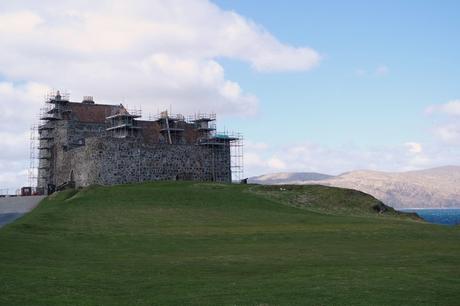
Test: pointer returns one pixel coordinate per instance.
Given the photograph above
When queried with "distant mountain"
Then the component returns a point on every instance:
(431, 188)
(288, 178)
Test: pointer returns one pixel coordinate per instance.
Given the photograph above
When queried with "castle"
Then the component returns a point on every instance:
(85, 143)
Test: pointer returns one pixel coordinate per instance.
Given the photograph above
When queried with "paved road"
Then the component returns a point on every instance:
(12, 208)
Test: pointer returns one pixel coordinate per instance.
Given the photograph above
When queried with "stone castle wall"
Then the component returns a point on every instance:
(66, 135)
(79, 149)
(108, 161)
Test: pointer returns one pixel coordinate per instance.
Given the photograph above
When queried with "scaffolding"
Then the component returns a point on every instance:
(54, 96)
(172, 126)
(237, 156)
(219, 142)
(123, 124)
(56, 106)
(226, 145)
(135, 111)
(42, 139)
(165, 114)
(49, 113)
(33, 156)
(198, 129)
(201, 117)
(204, 123)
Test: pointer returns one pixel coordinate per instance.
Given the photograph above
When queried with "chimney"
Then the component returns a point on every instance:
(87, 100)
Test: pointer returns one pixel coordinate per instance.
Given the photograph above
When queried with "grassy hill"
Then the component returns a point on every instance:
(182, 243)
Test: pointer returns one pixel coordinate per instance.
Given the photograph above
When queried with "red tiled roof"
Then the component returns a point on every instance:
(93, 113)
(150, 130)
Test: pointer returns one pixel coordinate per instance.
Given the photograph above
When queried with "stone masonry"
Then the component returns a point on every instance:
(84, 143)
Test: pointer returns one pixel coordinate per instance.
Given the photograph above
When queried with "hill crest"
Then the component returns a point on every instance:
(430, 188)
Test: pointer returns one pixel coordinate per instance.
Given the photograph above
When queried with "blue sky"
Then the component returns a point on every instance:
(325, 86)
(343, 99)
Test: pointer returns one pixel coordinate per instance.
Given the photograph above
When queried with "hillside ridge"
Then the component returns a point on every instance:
(430, 188)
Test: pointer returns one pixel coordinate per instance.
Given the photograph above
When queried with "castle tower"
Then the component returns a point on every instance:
(56, 109)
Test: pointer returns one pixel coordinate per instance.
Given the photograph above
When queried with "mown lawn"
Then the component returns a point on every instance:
(179, 243)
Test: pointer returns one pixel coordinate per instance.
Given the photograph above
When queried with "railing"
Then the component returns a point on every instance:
(135, 112)
(208, 127)
(4, 192)
(164, 115)
(201, 116)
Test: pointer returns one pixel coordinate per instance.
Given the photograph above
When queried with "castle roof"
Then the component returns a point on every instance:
(94, 113)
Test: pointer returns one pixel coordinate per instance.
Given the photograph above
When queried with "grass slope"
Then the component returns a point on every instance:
(209, 244)
(330, 200)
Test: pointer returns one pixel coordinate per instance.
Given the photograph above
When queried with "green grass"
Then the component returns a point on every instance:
(181, 243)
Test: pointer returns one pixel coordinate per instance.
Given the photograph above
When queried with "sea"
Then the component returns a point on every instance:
(445, 216)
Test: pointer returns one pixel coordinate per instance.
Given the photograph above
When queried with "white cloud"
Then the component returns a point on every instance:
(151, 53)
(13, 174)
(154, 53)
(18, 22)
(447, 126)
(451, 108)
(254, 160)
(310, 157)
(414, 147)
(276, 163)
(255, 146)
(19, 107)
(449, 133)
